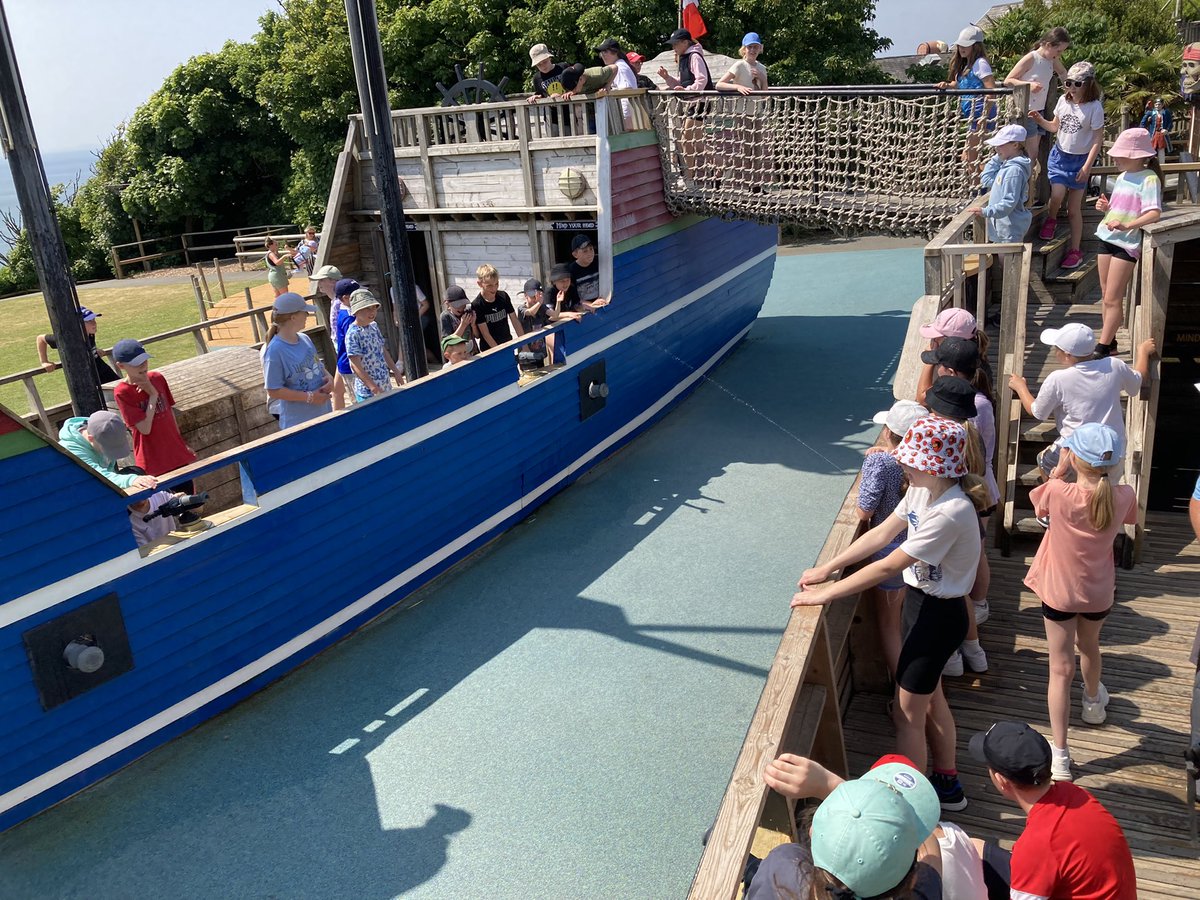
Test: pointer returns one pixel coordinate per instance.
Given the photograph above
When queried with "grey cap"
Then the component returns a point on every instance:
(291, 303)
(109, 434)
(326, 272)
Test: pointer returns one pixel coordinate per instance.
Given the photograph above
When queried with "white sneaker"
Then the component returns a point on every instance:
(1094, 711)
(1060, 765)
(974, 657)
(982, 611)
(954, 666)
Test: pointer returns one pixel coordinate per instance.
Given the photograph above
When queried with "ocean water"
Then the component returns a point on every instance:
(61, 168)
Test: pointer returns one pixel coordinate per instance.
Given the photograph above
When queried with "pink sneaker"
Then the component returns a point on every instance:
(1072, 259)
(1048, 227)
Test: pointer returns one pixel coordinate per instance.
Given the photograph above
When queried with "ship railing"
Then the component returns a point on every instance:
(800, 711)
(48, 418)
(510, 124)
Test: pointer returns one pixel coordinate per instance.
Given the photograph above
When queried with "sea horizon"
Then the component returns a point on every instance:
(62, 167)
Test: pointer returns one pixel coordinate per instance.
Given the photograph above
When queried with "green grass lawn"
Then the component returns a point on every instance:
(126, 311)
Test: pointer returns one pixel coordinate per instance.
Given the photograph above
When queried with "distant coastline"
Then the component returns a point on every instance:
(61, 168)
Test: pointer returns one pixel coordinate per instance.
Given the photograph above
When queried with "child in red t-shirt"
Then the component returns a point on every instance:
(146, 405)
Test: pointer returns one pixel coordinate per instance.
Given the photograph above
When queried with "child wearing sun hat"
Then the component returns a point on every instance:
(939, 558)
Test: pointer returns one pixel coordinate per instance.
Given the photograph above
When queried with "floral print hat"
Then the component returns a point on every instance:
(935, 446)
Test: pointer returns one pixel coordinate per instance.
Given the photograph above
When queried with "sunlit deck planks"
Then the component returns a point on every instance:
(1133, 763)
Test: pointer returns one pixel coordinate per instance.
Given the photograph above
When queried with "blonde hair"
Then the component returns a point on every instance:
(1100, 506)
(976, 490)
(487, 272)
(277, 319)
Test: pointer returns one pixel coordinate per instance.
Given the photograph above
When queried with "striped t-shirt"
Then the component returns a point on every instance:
(1133, 194)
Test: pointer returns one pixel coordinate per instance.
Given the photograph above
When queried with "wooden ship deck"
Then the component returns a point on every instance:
(826, 695)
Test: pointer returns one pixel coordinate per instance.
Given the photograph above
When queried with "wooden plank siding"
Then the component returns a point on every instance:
(637, 190)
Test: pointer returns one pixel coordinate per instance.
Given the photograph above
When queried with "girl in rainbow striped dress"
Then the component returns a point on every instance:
(1136, 202)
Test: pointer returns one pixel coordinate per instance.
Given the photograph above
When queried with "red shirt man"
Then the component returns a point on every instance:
(1071, 848)
(145, 401)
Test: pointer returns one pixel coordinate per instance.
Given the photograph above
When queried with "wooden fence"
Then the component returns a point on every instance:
(186, 247)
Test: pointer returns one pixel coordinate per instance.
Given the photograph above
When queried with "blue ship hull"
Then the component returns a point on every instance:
(214, 619)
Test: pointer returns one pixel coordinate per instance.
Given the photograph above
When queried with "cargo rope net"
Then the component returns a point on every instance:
(871, 160)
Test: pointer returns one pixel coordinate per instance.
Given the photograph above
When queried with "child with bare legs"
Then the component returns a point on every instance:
(938, 558)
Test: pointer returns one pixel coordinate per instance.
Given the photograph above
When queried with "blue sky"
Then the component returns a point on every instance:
(88, 64)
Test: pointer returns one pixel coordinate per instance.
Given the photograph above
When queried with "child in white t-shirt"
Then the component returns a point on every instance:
(939, 559)
(1078, 125)
(1085, 389)
(1035, 70)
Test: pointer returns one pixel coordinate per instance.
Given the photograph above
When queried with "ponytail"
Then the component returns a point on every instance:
(1100, 506)
(976, 461)
(982, 339)
(976, 490)
(276, 319)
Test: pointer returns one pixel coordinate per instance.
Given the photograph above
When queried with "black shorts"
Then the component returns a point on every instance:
(1057, 615)
(997, 870)
(1107, 249)
(935, 628)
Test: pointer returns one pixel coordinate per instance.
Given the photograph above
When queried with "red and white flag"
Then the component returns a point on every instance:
(691, 19)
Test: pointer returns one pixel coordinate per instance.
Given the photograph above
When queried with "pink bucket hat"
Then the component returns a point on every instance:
(951, 323)
(1133, 143)
(934, 446)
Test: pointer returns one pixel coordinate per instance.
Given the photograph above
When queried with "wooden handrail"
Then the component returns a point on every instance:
(174, 332)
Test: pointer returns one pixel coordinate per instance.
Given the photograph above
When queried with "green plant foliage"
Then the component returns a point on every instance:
(1132, 43)
(88, 259)
(204, 151)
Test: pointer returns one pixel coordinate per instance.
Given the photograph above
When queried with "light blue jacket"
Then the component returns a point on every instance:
(73, 440)
(1008, 180)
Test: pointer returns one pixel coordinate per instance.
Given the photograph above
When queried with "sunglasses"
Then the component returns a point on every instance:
(1069, 83)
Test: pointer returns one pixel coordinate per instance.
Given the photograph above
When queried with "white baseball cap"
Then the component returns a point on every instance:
(1074, 338)
(1009, 134)
(970, 35)
(901, 416)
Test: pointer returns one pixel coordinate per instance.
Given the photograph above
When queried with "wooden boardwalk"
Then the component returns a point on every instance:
(1133, 763)
(240, 333)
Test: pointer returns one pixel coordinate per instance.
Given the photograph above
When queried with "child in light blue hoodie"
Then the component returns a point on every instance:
(1006, 175)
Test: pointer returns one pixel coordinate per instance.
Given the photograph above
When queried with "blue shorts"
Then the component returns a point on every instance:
(1063, 168)
(896, 582)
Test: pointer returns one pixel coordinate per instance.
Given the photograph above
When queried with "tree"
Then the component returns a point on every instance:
(17, 269)
(204, 150)
(1132, 43)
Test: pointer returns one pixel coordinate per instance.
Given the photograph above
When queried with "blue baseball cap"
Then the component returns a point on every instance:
(345, 287)
(751, 38)
(87, 315)
(291, 302)
(1096, 444)
(129, 352)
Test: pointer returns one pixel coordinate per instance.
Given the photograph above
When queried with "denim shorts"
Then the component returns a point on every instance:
(1063, 168)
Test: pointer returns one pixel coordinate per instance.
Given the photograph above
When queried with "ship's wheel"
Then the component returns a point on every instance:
(467, 91)
(479, 126)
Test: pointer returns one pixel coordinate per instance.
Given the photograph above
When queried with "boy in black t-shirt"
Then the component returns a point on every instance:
(534, 316)
(47, 342)
(458, 318)
(494, 310)
(547, 74)
(585, 270)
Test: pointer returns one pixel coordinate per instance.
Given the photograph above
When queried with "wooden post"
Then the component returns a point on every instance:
(201, 346)
(137, 235)
(187, 259)
(220, 277)
(258, 335)
(116, 258)
(37, 407)
(204, 283)
(200, 305)
(46, 241)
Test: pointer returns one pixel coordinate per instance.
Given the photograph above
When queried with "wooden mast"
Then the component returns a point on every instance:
(45, 238)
